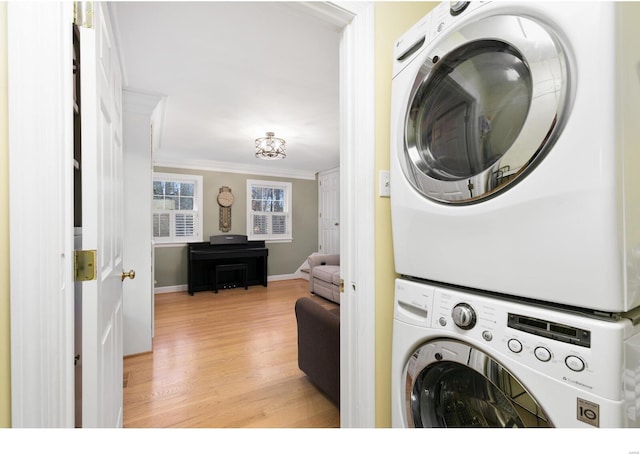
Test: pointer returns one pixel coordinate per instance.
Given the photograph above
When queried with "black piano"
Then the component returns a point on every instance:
(226, 250)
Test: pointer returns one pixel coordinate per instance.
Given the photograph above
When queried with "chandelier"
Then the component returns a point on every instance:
(270, 147)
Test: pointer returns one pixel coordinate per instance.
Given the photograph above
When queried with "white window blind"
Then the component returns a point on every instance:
(269, 210)
(177, 202)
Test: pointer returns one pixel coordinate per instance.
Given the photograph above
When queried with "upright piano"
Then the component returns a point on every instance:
(225, 250)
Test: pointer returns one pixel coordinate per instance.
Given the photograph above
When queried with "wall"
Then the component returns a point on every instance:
(137, 315)
(284, 258)
(5, 345)
(392, 19)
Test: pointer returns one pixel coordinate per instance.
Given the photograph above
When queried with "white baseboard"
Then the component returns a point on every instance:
(282, 277)
(183, 288)
(170, 289)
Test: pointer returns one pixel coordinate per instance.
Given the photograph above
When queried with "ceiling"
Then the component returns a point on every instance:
(228, 72)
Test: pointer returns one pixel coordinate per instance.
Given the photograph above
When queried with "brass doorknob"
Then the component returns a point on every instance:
(131, 275)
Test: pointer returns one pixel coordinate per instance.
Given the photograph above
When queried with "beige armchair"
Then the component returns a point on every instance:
(324, 276)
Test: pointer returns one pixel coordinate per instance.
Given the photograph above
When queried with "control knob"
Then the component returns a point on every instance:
(463, 316)
(457, 7)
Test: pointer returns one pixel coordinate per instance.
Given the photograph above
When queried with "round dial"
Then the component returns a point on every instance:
(463, 316)
(457, 7)
(225, 199)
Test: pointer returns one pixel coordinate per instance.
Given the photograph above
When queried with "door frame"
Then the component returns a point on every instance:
(357, 233)
(41, 262)
(41, 213)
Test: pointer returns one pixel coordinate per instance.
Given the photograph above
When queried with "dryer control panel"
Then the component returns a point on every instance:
(438, 21)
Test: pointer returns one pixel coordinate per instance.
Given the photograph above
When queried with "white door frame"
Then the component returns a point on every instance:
(357, 242)
(41, 177)
(41, 213)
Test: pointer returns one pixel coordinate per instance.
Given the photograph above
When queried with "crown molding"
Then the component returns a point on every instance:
(218, 166)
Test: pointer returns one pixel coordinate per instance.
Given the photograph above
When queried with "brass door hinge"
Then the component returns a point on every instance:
(83, 14)
(84, 268)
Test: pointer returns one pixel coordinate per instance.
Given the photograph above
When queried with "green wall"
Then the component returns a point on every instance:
(392, 19)
(5, 339)
(170, 267)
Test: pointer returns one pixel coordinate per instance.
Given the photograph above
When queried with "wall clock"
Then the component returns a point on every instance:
(225, 200)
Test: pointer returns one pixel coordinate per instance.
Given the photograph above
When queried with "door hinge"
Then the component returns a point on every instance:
(84, 268)
(83, 14)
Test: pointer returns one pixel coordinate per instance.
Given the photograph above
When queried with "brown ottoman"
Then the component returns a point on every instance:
(319, 345)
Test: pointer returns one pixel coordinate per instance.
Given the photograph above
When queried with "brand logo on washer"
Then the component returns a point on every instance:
(588, 412)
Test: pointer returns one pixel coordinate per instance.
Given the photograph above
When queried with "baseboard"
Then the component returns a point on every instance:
(171, 289)
(282, 277)
(183, 288)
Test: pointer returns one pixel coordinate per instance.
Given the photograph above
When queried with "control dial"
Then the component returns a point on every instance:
(457, 7)
(463, 316)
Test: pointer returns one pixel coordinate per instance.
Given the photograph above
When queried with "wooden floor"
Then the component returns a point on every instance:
(225, 360)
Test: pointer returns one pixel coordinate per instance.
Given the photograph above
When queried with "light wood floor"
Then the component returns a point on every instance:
(225, 360)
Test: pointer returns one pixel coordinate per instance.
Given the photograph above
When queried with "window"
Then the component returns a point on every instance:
(177, 208)
(269, 210)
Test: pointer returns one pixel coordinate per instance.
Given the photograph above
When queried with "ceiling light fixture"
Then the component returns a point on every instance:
(270, 147)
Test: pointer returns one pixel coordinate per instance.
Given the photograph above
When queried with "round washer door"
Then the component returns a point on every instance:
(450, 384)
(487, 102)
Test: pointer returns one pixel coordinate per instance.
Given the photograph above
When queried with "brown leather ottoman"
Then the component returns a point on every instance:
(319, 345)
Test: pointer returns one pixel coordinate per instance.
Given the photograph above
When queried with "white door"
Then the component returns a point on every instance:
(329, 212)
(101, 223)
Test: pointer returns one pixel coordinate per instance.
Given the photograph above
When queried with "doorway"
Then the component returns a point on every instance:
(40, 150)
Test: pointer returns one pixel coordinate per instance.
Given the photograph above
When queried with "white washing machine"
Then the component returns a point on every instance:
(515, 150)
(466, 360)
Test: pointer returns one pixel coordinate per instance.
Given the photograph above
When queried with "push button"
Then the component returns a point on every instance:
(574, 363)
(542, 354)
(514, 345)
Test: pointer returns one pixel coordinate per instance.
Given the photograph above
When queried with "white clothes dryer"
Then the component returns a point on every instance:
(461, 359)
(515, 151)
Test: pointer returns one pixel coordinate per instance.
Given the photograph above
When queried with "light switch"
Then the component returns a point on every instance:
(385, 184)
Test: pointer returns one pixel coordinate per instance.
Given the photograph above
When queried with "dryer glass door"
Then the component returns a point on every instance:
(452, 385)
(484, 106)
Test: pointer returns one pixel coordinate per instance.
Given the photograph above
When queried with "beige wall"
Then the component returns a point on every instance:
(392, 19)
(170, 267)
(5, 352)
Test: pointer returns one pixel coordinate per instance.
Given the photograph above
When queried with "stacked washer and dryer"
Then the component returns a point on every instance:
(515, 198)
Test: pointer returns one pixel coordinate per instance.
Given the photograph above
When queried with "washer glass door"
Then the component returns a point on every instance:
(485, 104)
(452, 385)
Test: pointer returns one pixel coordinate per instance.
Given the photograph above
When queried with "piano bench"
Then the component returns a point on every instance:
(233, 267)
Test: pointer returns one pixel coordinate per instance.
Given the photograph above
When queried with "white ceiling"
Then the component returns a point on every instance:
(229, 72)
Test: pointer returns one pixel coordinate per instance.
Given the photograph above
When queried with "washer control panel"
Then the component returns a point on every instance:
(550, 329)
(558, 344)
(535, 339)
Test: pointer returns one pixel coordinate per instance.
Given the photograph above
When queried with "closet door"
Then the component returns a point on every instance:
(329, 212)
